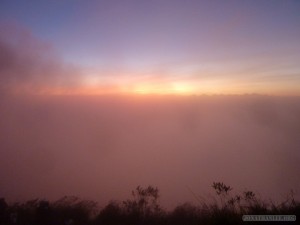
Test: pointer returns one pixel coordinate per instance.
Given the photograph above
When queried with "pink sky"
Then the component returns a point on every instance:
(129, 47)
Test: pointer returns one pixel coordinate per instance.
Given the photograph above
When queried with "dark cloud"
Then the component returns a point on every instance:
(27, 63)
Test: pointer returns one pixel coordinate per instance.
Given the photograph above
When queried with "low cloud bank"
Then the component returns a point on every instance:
(103, 147)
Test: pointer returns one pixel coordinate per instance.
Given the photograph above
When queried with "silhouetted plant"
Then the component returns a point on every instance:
(144, 206)
(71, 209)
(249, 196)
(144, 209)
(112, 214)
(44, 213)
(221, 188)
(185, 214)
(3, 211)
(222, 191)
(145, 201)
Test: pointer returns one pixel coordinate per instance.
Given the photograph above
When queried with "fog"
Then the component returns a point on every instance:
(102, 147)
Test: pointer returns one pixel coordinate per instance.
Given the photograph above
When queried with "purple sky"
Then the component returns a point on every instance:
(173, 47)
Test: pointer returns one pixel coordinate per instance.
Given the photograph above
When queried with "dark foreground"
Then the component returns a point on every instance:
(144, 209)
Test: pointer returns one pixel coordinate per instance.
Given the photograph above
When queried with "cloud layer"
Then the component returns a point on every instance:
(102, 147)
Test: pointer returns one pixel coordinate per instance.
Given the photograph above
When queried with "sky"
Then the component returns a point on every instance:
(151, 47)
(98, 97)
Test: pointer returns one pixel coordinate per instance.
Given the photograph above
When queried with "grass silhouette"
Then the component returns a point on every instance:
(144, 209)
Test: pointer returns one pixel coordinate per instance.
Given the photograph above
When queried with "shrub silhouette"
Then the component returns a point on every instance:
(44, 213)
(144, 209)
(71, 210)
(145, 201)
(144, 206)
(112, 214)
(185, 213)
(3, 211)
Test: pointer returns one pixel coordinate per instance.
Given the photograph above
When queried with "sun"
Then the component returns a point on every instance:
(182, 88)
(163, 89)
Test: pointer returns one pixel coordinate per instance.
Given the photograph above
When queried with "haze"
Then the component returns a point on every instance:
(100, 148)
(98, 97)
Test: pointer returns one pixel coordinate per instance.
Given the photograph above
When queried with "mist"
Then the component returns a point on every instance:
(102, 147)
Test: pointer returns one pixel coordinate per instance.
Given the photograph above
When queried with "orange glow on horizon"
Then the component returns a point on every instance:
(172, 88)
